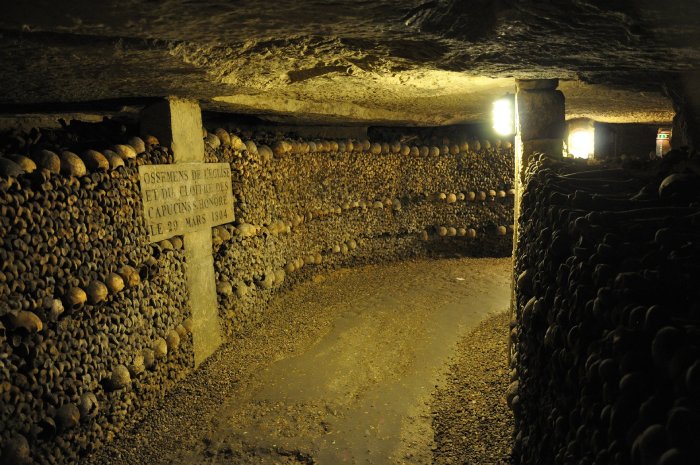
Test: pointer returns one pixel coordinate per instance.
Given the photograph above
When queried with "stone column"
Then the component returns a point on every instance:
(539, 120)
(178, 124)
(539, 128)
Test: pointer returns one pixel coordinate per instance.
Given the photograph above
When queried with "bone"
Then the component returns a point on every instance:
(127, 152)
(48, 160)
(96, 161)
(25, 163)
(120, 378)
(322, 205)
(96, 292)
(138, 144)
(608, 321)
(27, 321)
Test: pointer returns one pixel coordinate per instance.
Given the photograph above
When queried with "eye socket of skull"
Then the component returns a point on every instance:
(48, 426)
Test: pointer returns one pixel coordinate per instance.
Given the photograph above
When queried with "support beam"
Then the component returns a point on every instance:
(539, 121)
(178, 123)
(540, 127)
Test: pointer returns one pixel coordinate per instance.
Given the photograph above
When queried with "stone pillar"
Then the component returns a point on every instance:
(539, 120)
(178, 123)
(539, 128)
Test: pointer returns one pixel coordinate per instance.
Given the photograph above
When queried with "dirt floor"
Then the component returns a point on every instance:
(472, 423)
(360, 366)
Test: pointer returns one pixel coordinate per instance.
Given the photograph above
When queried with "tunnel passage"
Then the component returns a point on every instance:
(100, 323)
(107, 303)
(97, 321)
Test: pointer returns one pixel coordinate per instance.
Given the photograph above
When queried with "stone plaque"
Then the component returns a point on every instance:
(185, 197)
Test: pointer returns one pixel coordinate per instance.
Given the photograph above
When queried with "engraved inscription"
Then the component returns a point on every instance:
(185, 197)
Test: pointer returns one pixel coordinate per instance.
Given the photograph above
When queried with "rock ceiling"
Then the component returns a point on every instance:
(382, 61)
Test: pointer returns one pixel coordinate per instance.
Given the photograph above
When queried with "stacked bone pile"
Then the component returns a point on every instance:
(93, 319)
(307, 206)
(607, 341)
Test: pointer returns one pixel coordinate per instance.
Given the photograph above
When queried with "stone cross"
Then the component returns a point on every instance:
(188, 197)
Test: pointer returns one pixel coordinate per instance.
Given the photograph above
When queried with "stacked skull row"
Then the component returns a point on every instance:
(304, 207)
(606, 365)
(94, 321)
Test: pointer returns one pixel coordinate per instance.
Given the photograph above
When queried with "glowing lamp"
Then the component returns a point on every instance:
(581, 143)
(504, 116)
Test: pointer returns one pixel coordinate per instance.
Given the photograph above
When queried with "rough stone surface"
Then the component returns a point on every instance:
(201, 281)
(390, 60)
(541, 114)
(536, 84)
(552, 147)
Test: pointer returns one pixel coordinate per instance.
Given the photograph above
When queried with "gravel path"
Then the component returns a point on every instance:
(342, 370)
(472, 421)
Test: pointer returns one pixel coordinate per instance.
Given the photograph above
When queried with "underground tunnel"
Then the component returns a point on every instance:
(388, 232)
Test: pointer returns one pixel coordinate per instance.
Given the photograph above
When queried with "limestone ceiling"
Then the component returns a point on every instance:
(382, 61)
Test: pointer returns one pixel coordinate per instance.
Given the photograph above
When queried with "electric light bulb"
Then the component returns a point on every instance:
(582, 143)
(503, 117)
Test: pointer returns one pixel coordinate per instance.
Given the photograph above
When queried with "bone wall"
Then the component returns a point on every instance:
(606, 341)
(94, 320)
(306, 207)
